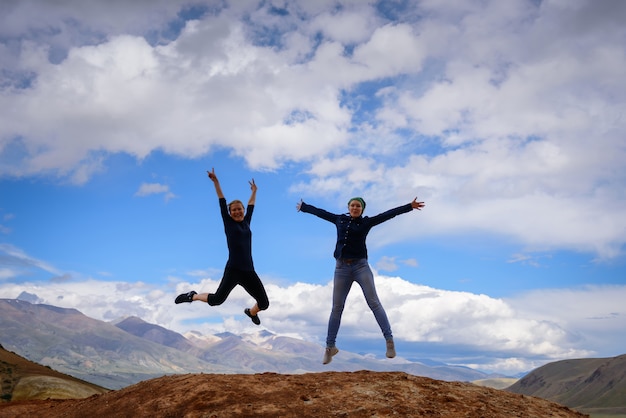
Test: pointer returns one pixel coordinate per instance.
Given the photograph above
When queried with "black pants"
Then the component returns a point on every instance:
(249, 280)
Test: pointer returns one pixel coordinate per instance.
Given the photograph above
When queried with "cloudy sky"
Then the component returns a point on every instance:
(506, 117)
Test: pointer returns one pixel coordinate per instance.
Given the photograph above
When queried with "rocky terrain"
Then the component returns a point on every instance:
(327, 394)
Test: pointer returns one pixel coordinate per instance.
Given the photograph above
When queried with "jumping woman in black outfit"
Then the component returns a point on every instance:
(239, 268)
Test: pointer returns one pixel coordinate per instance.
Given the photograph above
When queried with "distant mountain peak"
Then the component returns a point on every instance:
(130, 320)
(227, 334)
(29, 297)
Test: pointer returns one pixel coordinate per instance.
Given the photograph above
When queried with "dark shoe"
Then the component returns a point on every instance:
(255, 318)
(185, 297)
(329, 353)
(391, 349)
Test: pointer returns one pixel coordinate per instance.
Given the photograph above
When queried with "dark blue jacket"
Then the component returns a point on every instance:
(238, 238)
(352, 232)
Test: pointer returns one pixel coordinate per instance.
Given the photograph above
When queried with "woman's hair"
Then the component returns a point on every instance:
(360, 199)
(233, 202)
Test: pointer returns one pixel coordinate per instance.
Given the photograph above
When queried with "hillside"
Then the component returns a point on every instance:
(328, 394)
(23, 379)
(595, 386)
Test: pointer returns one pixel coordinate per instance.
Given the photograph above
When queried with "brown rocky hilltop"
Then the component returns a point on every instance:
(328, 394)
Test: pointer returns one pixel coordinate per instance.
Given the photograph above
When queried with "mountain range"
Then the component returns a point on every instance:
(121, 353)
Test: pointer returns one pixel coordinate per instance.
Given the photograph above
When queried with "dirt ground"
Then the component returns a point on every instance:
(329, 394)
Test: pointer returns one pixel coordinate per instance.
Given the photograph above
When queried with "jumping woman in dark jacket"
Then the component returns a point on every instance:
(352, 266)
(239, 267)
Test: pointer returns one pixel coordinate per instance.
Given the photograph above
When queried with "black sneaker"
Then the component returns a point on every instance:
(185, 297)
(255, 318)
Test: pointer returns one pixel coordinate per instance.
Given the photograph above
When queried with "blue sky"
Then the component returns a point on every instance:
(506, 118)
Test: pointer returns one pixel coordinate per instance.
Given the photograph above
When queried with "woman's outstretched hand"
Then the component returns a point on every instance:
(252, 185)
(299, 205)
(417, 205)
(212, 175)
(216, 183)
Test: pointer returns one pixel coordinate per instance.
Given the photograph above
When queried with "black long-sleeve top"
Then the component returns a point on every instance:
(238, 238)
(352, 232)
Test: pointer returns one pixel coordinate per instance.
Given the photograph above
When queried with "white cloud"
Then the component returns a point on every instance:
(352, 26)
(147, 189)
(592, 311)
(411, 262)
(37, 18)
(22, 262)
(7, 273)
(375, 52)
(468, 107)
(387, 264)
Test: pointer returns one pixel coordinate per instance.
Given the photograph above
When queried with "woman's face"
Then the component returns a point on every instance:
(355, 208)
(236, 212)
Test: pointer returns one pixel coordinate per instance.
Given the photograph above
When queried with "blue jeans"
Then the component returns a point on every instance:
(345, 274)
